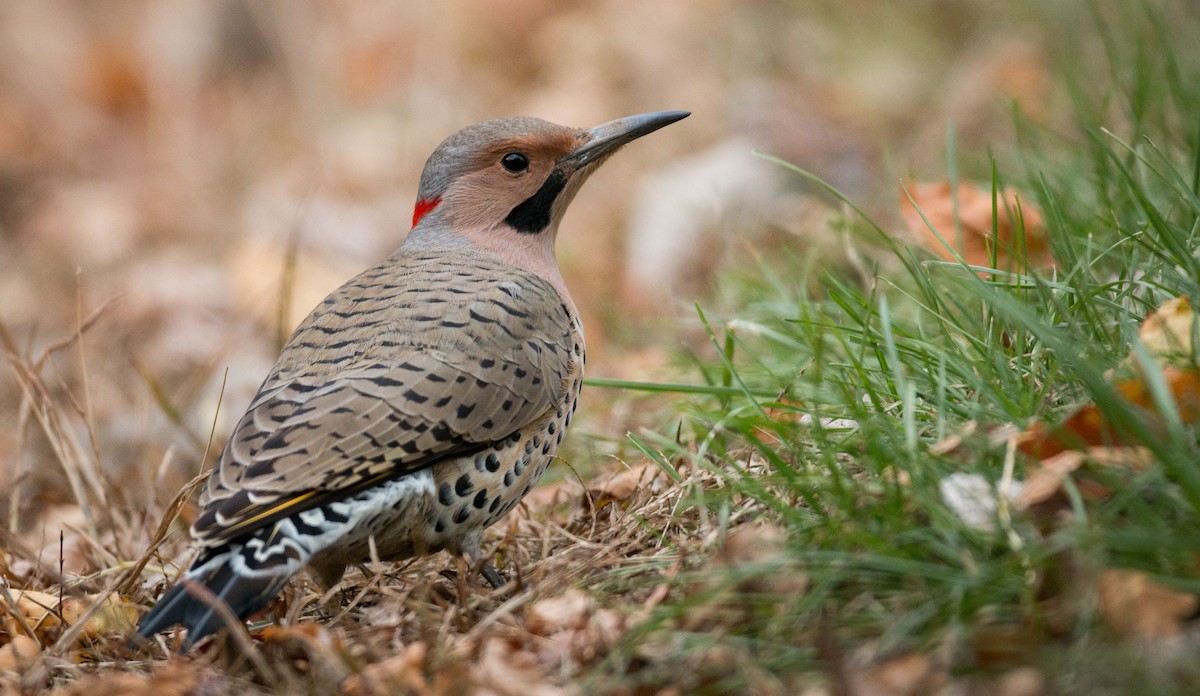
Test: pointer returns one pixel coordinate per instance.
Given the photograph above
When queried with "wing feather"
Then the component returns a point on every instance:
(352, 403)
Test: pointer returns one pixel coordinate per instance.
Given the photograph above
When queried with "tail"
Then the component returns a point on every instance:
(244, 577)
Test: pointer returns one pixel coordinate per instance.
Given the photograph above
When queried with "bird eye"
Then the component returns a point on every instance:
(515, 162)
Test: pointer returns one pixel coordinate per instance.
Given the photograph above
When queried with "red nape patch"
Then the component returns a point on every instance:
(424, 206)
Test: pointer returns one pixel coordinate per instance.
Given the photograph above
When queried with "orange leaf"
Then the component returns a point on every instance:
(1046, 477)
(973, 238)
(1087, 426)
(1169, 333)
(1135, 605)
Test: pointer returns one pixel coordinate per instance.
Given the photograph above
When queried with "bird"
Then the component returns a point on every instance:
(421, 400)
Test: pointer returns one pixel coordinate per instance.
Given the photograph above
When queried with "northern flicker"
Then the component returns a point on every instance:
(420, 401)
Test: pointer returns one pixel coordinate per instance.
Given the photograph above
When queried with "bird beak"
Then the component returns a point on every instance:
(606, 138)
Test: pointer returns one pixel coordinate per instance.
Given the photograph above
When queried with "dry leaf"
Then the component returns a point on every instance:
(624, 484)
(907, 675)
(509, 671)
(761, 544)
(1135, 605)
(1088, 426)
(728, 604)
(1169, 334)
(937, 203)
(1046, 477)
(569, 610)
(548, 501)
(309, 648)
(18, 652)
(577, 629)
(1022, 681)
(177, 678)
(1005, 644)
(405, 671)
(46, 616)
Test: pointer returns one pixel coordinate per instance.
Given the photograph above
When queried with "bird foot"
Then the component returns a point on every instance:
(493, 576)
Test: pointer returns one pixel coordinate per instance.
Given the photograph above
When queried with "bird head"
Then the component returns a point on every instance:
(516, 176)
(502, 186)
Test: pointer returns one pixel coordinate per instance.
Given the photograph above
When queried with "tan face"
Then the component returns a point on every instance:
(509, 173)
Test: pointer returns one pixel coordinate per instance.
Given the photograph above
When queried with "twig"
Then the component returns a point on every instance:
(81, 329)
(66, 448)
(88, 417)
(177, 503)
(126, 583)
(11, 605)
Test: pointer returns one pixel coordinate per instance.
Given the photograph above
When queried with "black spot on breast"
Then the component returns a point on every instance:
(480, 500)
(492, 462)
(463, 485)
(444, 494)
(462, 515)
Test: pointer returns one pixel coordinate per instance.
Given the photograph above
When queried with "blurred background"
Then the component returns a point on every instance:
(187, 178)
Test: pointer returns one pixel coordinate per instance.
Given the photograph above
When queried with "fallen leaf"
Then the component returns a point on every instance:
(176, 678)
(970, 436)
(309, 648)
(112, 684)
(752, 563)
(400, 673)
(1087, 425)
(569, 610)
(1022, 681)
(18, 652)
(44, 613)
(1135, 605)
(623, 485)
(1169, 334)
(939, 204)
(1001, 644)
(1045, 478)
(508, 670)
(575, 628)
(907, 675)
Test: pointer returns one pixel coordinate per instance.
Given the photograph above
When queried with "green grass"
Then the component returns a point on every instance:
(905, 359)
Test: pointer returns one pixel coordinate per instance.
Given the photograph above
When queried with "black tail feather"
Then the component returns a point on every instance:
(243, 594)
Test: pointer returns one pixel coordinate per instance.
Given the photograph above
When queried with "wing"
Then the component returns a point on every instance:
(395, 384)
